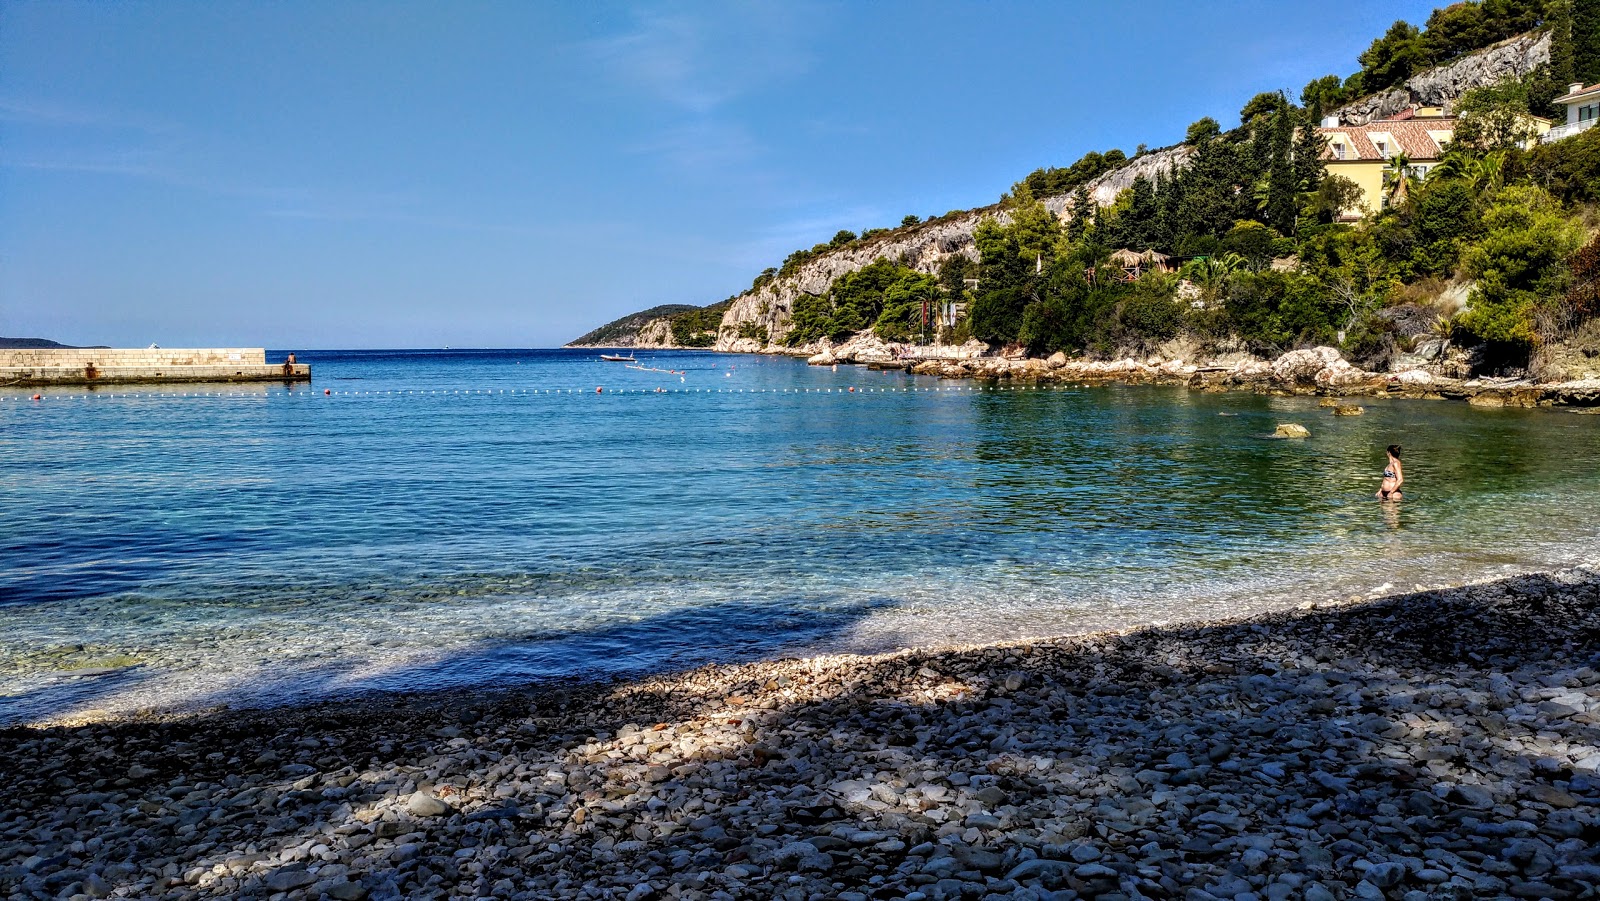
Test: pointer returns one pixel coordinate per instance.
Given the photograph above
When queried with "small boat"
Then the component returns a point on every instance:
(614, 358)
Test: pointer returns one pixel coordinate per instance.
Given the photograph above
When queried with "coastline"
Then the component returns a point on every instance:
(1318, 371)
(1443, 742)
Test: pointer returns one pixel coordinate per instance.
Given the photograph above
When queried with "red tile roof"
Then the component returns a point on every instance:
(1412, 136)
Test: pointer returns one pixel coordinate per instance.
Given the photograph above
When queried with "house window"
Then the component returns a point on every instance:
(1588, 113)
(1338, 151)
(1383, 149)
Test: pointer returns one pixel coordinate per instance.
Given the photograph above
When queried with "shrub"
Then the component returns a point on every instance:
(1526, 238)
(1150, 316)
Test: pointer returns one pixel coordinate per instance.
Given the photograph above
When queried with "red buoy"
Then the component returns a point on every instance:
(38, 397)
(326, 391)
(599, 389)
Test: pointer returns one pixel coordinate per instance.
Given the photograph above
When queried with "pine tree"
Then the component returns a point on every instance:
(1308, 165)
(1561, 62)
(1585, 26)
(1281, 181)
(1082, 214)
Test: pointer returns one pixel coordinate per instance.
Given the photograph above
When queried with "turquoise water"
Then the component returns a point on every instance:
(464, 518)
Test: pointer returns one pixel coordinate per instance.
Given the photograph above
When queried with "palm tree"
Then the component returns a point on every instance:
(1399, 179)
(1487, 172)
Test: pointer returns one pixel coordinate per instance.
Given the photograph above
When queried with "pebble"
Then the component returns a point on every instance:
(1431, 745)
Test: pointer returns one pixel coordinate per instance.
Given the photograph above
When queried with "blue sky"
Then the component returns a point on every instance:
(398, 174)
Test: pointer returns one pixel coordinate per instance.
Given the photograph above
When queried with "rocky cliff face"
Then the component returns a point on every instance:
(922, 247)
(1162, 162)
(925, 246)
(1443, 85)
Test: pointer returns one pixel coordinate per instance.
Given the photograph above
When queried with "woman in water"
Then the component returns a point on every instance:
(1393, 477)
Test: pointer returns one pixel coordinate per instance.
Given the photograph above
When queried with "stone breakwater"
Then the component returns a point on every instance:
(1442, 744)
(37, 367)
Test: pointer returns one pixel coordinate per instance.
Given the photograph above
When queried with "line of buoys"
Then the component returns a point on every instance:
(599, 389)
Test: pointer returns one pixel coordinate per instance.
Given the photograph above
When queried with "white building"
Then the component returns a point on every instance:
(1583, 110)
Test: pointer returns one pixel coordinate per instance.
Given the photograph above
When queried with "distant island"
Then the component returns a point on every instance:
(43, 344)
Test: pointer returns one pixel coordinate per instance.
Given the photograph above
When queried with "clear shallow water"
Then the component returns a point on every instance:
(275, 544)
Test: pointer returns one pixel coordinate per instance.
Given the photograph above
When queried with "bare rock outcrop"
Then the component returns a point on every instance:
(923, 247)
(1443, 85)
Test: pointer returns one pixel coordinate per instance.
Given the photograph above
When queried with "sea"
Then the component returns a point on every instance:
(420, 520)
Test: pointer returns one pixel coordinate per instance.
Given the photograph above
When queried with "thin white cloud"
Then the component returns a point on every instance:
(693, 62)
(700, 57)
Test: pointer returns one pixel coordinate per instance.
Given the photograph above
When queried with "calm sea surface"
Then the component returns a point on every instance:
(448, 518)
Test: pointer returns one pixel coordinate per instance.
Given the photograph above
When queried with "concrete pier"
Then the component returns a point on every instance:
(42, 367)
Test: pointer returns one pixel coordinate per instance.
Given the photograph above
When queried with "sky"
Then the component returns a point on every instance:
(512, 174)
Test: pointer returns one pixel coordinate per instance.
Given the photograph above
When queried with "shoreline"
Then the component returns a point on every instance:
(1440, 741)
(1311, 372)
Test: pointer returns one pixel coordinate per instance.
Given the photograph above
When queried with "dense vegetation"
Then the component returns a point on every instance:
(620, 332)
(884, 296)
(1266, 266)
(1452, 31)
(1257, 256)
(1244, 247)
(697, 327)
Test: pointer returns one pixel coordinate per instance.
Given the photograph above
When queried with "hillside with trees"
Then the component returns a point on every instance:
(1492, 256)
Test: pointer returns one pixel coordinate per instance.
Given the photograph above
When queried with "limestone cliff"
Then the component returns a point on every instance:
(766, 310)
(1444, 85)
(922, 247)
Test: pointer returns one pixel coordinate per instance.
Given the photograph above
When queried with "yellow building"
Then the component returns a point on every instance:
(1363, 153)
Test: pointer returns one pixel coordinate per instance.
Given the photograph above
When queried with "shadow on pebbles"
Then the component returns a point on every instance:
(1434, 745)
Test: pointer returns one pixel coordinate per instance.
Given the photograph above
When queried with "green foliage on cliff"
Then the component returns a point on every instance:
(621, 332)
(1265, 263)
(1051, 181)
(698, 327)
(1253, 221)
(1450, 32)
(884, 296)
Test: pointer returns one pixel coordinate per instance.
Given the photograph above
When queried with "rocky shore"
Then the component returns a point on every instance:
(1316, 370)
(1435, 745)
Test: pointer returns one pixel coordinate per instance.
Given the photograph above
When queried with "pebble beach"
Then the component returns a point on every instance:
(1434, 745)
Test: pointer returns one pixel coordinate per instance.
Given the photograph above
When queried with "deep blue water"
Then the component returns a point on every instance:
(448, 518)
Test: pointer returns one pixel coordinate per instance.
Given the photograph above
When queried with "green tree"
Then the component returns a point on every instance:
(1445, 216)
(1083, 214)
(1526, 238)
(1392, 58)
(1137, 223)
(1494, 117)
(1309, 144)
(1336, 195)
(1253, 242)
(842, 237)
(1585, 40)
(903, 305)
(909, 221)
(1283, 190)
(1325, 93)
(1569, 168)
(1013, 258)
(1265, 103)
(1202, 130)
